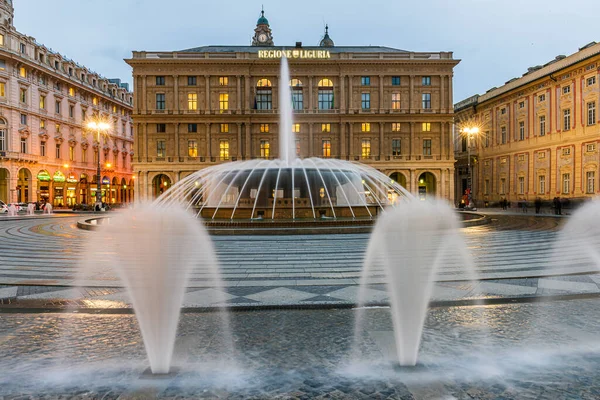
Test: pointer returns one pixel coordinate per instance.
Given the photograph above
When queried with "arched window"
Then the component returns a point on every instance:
(326, 94)
(297, 95)
(264, 95)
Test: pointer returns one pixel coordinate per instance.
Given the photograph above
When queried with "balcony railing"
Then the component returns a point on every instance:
(24, 157)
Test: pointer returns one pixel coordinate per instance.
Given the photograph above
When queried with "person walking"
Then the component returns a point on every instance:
(538, 205)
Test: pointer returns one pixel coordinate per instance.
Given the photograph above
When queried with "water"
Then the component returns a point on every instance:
(30, 209)
(48, 208)
(154, 250)
(12, 210)
(408, 245)
(287, 141)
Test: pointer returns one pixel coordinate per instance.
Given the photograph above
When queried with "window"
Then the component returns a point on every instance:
(426, 101)
(426, 81)
(23, 72)
(57, 150)
(325, 96)
(160, 81)
(566, 179)
(521, 130)
(71, 111)
(95, 156)
(503, 134)
(23, 119)
(591, 113)
(57, 107)
(365, 127)
(426, 147)
(160, 148)
(224, 128)
(396, 147)
(264, 128)
(590, 182)
(566, 151)
(542, 120)
(224, 150)
(486, 187)
(24, 146)
(326, 145)
(160, 101)
(192, 101)
(365, 101)
(521, 185)
(521, 104)
(265, 150)
(57, 128)
(297, 147)
(83, 156)
(2, 139)
(591, 147)
(542, 184)
(566, 89)
(503, 111)
(396, 101)
(326, 128)
(395, 81)
(366, 148)
(95, 100)
(590, 81)
(161, 128)
(72, 92)
(43, 102)
(502, 185)
(192, 128)
(541, 155)
(541, 98)
(567, 119)
(43, 149)
(224, 81)
(192, 81)
(223, 102)
(264, 96)
(1, 40)
(297, 95)
(23, 95)
(192, 148)
(71, 153)
(395, 126)
(487, 138)
(365, 80)
(2, 89)
(426, 127)
(296, 128)
(42, 124)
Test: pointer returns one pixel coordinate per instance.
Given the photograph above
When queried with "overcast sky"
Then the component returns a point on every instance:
(495, 39)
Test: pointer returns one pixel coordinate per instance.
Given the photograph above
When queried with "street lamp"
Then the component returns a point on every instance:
(100, 127)
(469, 132)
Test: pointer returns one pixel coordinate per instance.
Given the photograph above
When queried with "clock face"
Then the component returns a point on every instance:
(262, 38)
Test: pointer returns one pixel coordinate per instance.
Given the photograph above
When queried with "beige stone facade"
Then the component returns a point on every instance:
(388, 108)
(539, 133)
(45, 153)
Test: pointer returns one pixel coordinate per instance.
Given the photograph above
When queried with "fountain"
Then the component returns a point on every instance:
(12, 210)
(48, 208)
(30, 209)
(410, 243)
(288, 187)
(154, 250)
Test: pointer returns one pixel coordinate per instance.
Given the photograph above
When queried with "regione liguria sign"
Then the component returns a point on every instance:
(306, 54)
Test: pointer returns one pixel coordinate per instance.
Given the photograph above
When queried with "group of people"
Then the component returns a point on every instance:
(557, 204)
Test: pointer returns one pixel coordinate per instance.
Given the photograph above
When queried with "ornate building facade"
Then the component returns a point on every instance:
(388, 108)
(45, 152)
(538, 134)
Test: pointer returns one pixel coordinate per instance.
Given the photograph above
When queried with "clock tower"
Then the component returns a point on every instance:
(262, 32)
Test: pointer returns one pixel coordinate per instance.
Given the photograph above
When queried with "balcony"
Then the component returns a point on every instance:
(22, 157)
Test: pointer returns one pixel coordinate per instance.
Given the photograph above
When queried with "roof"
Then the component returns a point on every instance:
(255, 49)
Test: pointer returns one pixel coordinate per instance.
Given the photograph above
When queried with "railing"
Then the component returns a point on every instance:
(13, 155)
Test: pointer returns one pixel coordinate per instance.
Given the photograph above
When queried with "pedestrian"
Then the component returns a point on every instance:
(538, 205)
(559, 204)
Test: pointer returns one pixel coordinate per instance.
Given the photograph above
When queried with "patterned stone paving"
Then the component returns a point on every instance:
(39, 259)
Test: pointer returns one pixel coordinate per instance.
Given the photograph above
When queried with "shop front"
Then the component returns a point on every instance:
(44, 182)
(59, 189)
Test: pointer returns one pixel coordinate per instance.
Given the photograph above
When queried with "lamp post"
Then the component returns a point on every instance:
(469, 131)
(100, 128)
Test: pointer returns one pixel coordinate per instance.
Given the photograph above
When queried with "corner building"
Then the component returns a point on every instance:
(539, 134)
(46, 154)
(388, 108)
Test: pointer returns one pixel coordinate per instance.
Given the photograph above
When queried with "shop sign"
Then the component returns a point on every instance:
(44, 176)
(72, 179)
(105, 181)
(58, 177)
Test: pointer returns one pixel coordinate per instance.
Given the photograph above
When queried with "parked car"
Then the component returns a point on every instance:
(3, 207)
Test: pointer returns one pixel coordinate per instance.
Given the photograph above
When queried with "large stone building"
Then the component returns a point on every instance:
(389, 108)
(538, 134)
(45, 152)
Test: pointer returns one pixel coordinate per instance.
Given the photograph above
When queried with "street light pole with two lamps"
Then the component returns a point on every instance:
(99, 127)
(469, 132)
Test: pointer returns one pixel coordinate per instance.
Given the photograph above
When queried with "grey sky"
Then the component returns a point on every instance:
(496, 40)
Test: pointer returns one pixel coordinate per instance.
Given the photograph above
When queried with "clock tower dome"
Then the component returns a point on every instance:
(262, 32)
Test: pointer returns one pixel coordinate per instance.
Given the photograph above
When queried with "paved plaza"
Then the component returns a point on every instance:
(39, 259)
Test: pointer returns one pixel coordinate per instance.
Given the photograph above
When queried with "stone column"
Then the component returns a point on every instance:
(343, 140)
(176, 88)
(147, 190)
(381, 143)
(146, 154)
(208, 143)
(411, 94)
(411, 146)
(449, 91)
(310, 140)
(207, 92)
(238, 100)
(247, 92)
(177, 144)
(248, 142)
(144, 103)
(351, 141)
(342, 94)
(310, 94)
(381, 106)
(443, 141)
(442, 99)
(239, 140)
(350, 104)
(413, 182)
